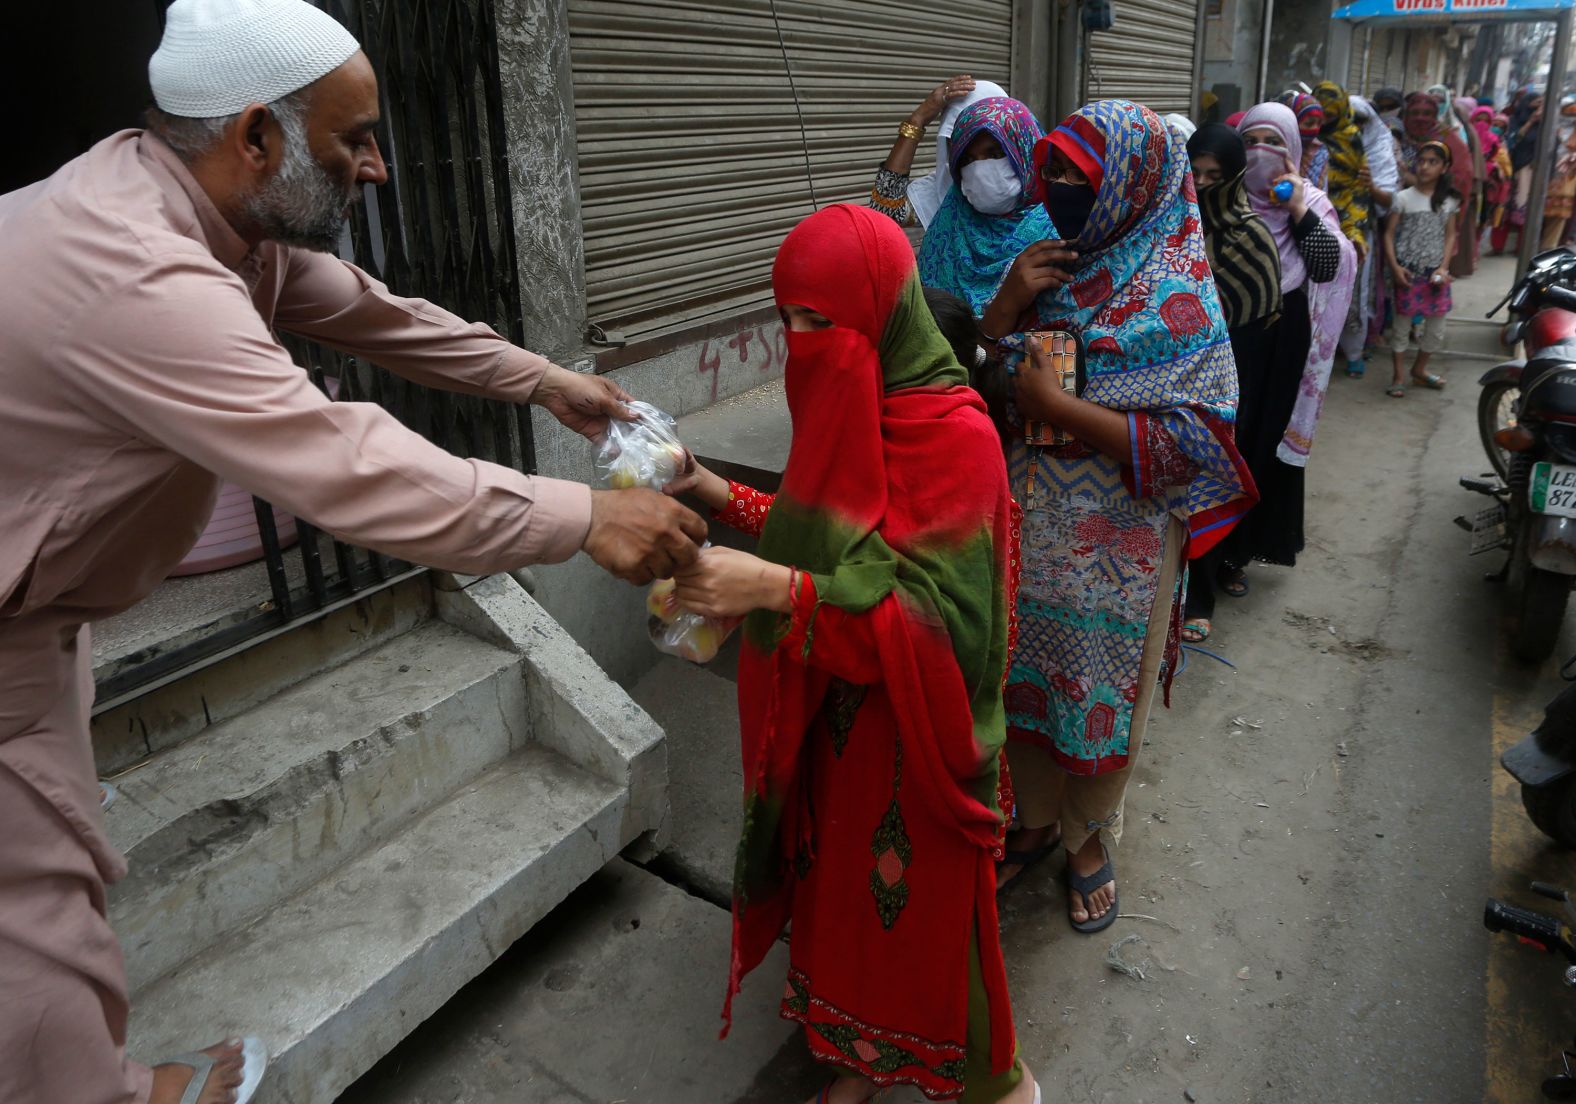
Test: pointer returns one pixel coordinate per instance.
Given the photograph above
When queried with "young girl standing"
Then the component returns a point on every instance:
(1419, 242)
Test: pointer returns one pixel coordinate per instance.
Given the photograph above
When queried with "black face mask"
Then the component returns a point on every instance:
(1069, 206)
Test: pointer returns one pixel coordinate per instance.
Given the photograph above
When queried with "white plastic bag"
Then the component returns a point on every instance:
(642, 453)
(682, 633)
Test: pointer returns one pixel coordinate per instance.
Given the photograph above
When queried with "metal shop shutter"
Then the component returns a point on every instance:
(1147, 56)
(692, 166)
(1395, 64)
(1362, 47)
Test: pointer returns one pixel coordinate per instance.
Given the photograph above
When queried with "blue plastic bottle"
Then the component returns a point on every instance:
(1282, 191)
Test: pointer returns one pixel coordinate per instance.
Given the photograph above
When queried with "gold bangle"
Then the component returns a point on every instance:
(907, 129)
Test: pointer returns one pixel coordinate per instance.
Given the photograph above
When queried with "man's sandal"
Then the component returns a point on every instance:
(1084, 886)
(254, 1060)
(1196, 630)
(1429, 380)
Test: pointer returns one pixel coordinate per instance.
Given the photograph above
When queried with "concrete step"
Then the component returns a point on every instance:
(254, 809)
(334, 977)
(152, 720)
(614, 997)
(699, 709)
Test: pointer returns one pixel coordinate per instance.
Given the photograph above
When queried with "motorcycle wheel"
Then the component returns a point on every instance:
(1539, 613)
(1552, 810)
(1496, 411)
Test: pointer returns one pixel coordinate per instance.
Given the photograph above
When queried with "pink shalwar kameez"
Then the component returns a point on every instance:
(139, 369)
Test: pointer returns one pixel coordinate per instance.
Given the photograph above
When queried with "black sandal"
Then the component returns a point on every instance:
(1026, 861)
(1084, 886)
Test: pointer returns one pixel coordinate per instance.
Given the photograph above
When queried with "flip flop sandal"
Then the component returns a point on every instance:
(254, 1060)
(1199, 627)
(1396, 391)
(1236, 586)
(1356, 370)
(107, 795)
(1084, 886)
(1430, 381)
(1026, 861)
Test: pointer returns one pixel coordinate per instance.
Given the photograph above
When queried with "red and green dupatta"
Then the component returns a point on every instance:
(895, 503)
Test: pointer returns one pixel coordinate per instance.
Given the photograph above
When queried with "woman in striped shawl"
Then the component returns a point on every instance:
(1246, 264)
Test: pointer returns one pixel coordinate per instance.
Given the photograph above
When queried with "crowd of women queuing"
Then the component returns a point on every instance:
(957, 629)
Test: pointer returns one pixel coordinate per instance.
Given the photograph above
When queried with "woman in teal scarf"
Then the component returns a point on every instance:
(991, 215)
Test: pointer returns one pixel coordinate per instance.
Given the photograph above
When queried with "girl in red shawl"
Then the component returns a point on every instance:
(870, 683)
(1497, 176)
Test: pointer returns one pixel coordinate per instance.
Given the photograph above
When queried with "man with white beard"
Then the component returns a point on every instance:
(144, 281)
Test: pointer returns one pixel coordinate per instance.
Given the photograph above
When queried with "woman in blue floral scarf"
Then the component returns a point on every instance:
(1151, 476)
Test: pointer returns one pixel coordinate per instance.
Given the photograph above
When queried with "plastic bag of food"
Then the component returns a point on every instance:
(642, 453)
(680, 632)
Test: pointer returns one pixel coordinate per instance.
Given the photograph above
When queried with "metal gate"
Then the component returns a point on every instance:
(1148, 55)
(442, 228)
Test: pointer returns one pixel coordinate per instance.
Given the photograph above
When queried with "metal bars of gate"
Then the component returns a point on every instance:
(442, 228)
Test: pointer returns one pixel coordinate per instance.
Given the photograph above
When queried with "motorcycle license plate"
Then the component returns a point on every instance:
(1553, 489)
(1488, 529)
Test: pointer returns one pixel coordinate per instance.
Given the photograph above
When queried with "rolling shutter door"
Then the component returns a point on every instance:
(1362, 44)
(1146, 56)
(1395, 65)
(691, 161)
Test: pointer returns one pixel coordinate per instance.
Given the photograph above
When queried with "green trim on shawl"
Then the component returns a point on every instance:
(913, 352)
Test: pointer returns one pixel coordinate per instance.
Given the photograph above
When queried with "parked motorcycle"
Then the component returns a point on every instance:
(1545, 765)
(1527, 422)
(1551, 935)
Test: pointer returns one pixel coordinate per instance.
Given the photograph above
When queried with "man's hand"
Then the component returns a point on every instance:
(582, 401)
(640, 535)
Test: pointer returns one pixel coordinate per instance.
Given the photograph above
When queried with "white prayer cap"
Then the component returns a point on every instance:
(217, 56)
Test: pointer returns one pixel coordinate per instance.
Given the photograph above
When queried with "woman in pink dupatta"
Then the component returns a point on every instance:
(1318, 274)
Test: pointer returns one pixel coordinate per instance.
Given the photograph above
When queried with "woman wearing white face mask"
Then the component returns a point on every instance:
(915, 202)
(989, 216)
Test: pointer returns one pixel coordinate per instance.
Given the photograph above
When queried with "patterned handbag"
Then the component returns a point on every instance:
(1064, 353)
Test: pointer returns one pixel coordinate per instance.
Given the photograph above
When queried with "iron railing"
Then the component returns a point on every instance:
(442, 228)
